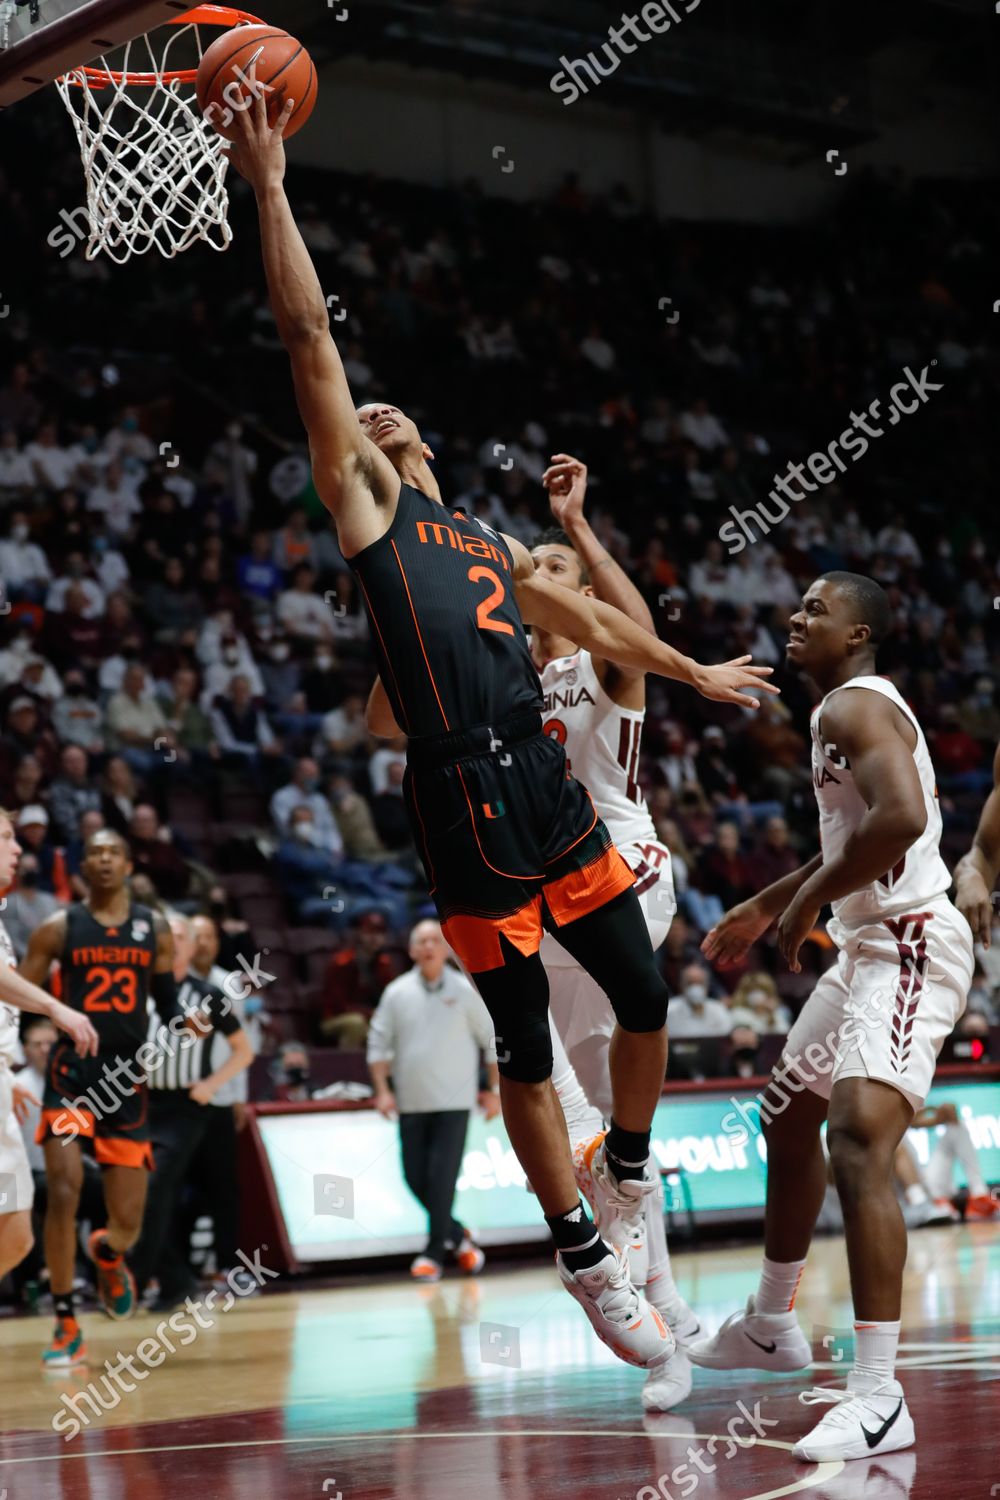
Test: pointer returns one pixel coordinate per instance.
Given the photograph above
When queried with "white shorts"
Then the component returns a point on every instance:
(17, 1186)
(884, 1010)
(579, 1006)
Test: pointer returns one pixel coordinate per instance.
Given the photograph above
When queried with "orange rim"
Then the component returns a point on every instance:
(201, 15)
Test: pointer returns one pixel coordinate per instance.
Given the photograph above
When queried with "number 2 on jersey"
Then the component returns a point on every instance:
(484, 612)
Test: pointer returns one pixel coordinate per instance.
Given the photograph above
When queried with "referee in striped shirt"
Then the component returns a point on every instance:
(181, 1085)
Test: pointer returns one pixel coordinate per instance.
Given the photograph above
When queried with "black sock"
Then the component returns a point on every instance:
(577, 1241)
(627, 1152)
(64, 1304)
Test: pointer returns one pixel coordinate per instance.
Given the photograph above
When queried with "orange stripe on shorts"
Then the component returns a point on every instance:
(583, 891)
(476, 940)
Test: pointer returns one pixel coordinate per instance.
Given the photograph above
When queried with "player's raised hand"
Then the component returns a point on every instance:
(731, 939)
(566, 481)
(256, 148)
(76, 1027)
(725, 682)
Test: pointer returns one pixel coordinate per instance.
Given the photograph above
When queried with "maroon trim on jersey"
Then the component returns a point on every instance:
(890, 877)
(913, 963)
(628, 756)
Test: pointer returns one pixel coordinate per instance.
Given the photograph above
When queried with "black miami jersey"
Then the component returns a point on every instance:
(107, 973)
(448, 635)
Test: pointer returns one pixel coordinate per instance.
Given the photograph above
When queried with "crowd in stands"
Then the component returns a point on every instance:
(183, 656)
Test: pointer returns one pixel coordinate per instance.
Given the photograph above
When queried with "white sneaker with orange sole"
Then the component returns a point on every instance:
(425, 1269)
(621, 1316)
(469, 1257)
(619, 1208)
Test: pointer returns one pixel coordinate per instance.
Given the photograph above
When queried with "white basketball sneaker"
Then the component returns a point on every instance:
(670, 1383)
(859, 1426)
(622, 1318)
(750, 1340)
(619, 1208)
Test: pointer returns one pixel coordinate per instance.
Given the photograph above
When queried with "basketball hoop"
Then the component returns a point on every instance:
(155, 168)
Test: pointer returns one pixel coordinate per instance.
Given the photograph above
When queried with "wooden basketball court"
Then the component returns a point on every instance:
(497, 1388)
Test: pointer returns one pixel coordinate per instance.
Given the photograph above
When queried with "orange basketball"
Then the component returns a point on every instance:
(284, 70)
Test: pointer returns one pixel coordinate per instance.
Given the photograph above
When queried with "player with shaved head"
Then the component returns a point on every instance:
(863, 1050)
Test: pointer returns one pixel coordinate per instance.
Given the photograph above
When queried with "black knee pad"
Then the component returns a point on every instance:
(639, 997)
(517, 998)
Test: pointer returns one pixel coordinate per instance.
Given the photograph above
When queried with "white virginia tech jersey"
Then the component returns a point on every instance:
(601, 740)
(8, 1015)
(921, 874)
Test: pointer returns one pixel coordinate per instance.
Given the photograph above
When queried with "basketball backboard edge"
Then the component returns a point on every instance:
(72, 33)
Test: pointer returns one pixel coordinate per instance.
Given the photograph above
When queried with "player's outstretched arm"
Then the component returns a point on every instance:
(22, 988)
(867, 731)
(731, 938)
(566, 481)
(606, 633)
(379, 716)
(976, 872)
(352, 477)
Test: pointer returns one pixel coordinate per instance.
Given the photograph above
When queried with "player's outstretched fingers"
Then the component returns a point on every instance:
(284, 117)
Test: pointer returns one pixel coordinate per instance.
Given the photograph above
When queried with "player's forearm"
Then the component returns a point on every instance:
(297, 300)
(615, 637)
(878, 844)
(608, 579)
(983, 859)
(774, 898)
(239, 1059)
(20, 992)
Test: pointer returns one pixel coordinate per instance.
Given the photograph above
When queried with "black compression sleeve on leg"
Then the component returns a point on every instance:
(517, 998)
(612, 944)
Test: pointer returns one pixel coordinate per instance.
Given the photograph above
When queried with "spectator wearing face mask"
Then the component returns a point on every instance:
(27, 905)
(744, 1043)
(692, 1013)
(24, 567)
(322, 685)
(234, 660)
(281, 674)
(303, 791)
(755, 1002)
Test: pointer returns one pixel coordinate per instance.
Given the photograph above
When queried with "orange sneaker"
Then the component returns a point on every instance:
(115, 1282)
(469, 1256)
(425, 1269)
(982, 1206)
(67, 1347)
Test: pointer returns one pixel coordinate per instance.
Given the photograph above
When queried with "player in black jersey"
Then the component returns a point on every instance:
(511, 843)
(113, 955)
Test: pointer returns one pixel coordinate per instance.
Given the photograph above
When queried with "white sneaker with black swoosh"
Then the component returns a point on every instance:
(861, 1424)
(750, 1340)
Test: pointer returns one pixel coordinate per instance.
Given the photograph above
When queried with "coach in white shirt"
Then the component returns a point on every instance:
(427, 1031)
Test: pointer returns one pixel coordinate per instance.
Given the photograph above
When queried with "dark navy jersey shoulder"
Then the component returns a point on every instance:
(448, 635)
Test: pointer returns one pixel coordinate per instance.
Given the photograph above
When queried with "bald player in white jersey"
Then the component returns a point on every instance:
(595, 709)
(864, 1048)
(17, 1188)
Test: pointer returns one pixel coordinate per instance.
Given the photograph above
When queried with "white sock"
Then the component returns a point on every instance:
(661, 1289)
(583, 1121)
(875, 1346)
(915, 1194)
(779, 1281)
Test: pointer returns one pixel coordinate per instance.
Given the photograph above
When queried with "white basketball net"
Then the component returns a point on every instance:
(154, 167)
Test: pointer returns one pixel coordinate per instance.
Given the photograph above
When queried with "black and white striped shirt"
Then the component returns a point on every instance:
(184, 1057)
